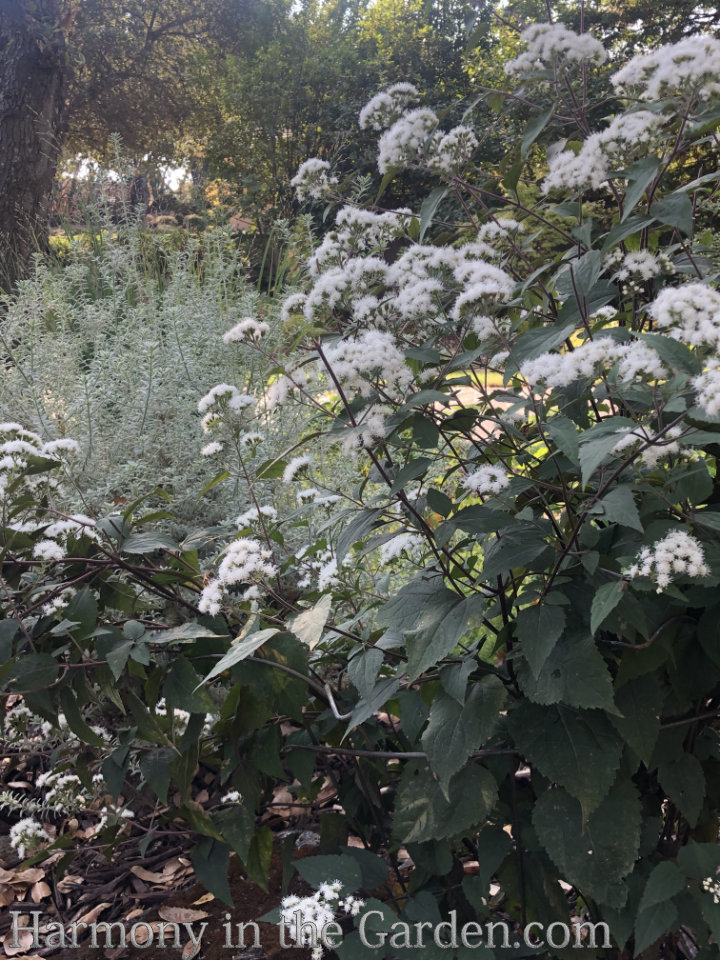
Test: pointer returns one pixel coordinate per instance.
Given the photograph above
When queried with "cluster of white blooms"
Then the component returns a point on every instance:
(295, 466)
(690, 66)
(593, 165)
(386, 106)
(634, 359)
(247, 329)
(315, 497)
(370, 358)
(180, 718)
(486, 479)
(316, 912)
(410, 543)
(550, 42)
(58, 602)
(707, 387)
(403, 145)
(28, 837)
(452, 150)
(246, 561)
(66, 791)
(711, 885)
(251, 516)
(641, 265)
(678, 552)
(21, 444)
(57, 534)
(690, 313)
(659, 445)
(487, 327)
(211, 449)
(222, 397)
(318, 570)
(313, 180)
(234, 796)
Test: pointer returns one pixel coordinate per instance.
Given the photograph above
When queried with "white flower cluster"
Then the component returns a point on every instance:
(222, 397)
(66, 791)
(634, 358)
(54, 546)
(28, 837)
(453, 150)
(660, 445)
(678, 552)
(251, 516)
(295, 466)
(371, 359)
(246, 561)
(592, 166)
(312, 180)
(486, 479)
(247, 329)
(707, 387)
(180, 718)
(386, 106)
(403, 145)
(711, 885)
(552, 42)
(317, 911)
(691, 65)
(689, 313)
(409, 543)
(22, 443)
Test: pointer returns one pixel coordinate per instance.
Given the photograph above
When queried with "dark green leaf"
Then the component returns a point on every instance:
(653, 923)
(619, 507)
(155, 767)
(358, 527)
(574, 673)
(34, 671)
(533, 130)
(675, 210)
(684, 782)
(148, 543)
(579, 749)
(181, 689)
(640, 702)
(211, 862)
(595, 856)
(318, 870)
(664, 882)
(539, 629)
(454, 731)
(607, 597)
(241, 648)
(423, 812)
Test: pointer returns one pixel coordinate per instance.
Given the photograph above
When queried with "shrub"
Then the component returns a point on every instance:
(506, 628)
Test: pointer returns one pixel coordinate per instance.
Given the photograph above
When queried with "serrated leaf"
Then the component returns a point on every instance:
(359, 526)
(183, 689)
(539, 629)
(424, 813)
(211, 861)
(566, 745)
(663, 883)
(363, 670)
(534, 342)
(684, 782)
(653, 923)
(148, 543)
(564, 434)
(619, 507)
(515, 547)
(454, 731)
(574, 673)
(606, 598)
(639, 701)
(595, 856)
(241, 648)
(321, 869)
(675, 210)
(533, 130)
(308, 626)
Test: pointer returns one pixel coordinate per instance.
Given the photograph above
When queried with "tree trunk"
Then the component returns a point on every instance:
(33, 71)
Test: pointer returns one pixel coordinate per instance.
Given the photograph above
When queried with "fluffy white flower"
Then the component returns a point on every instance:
(224, 392)
(678, 552)
(372, 357)
(48, 550)
(386, 106)
(246, 561)
(411, 543)
(486, 479)
(707, 387)
(28, 836)
(247, 329)
(403, 144)
(548, 42)
(295, 466)
(692, 64)
(690, 313)
(313, 180)
(453, 150)
(210, 449)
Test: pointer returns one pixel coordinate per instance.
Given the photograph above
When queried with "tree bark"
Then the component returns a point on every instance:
(33, 74)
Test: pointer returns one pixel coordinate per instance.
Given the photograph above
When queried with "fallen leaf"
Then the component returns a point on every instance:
(181, 914)
(92, 915)
(145, 931)
(137, 912)
(202, 797)
(24, 940)
(205, 898)
(39, 891)
(172, 866)
(148, 875)
(26, 877)
(69, 881)
(7, 894)
(191, 950)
